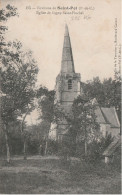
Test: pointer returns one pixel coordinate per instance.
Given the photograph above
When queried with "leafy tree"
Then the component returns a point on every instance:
(107, 93)
(35, 141)
(46, 103)
(94, 89)
(18, 76)
(15, 138)
(49, 111)
(97, 147)
(46, 109)
(5, 14)
(83, 124)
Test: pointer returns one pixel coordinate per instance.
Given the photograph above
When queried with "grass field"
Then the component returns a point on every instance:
(45, 175)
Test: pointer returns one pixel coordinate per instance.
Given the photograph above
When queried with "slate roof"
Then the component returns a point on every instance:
(110, 116)
(100, 117)
(106, 115)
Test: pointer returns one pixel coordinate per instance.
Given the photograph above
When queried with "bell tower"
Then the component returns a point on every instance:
(68, 84)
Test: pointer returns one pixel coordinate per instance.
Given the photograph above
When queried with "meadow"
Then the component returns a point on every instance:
(51, 175)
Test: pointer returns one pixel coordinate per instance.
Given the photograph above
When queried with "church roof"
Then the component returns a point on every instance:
(107, 116)
(111, 116)
(100, 117)
(67, 64)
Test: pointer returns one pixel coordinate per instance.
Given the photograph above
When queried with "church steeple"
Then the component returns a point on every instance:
(67, 64)
(68, 87)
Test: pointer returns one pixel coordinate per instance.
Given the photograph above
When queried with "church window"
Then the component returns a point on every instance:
(69, 84)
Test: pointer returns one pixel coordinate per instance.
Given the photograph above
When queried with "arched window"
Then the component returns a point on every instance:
(69, 84)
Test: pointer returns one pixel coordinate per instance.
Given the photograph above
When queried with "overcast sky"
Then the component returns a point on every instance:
(92, 40)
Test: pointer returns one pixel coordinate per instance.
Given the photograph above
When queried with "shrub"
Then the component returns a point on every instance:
(33, 146)
(96, 148)
(52, 147)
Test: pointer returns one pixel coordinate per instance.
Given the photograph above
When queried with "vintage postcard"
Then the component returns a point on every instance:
(60, 97)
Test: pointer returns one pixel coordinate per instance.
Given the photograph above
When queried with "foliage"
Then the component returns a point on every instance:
(14, 139)
(97, 147)
(107, 93)
(52, 147)
(83, 126)
(83, 120)
(2, 144)
(45, 103)
(46, 109)
(18, 77)
(33, 145)
(5, 14)
(18, 71)
(35, 139)
(49, 111)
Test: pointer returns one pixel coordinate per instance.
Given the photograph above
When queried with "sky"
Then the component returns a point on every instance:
(92, 39)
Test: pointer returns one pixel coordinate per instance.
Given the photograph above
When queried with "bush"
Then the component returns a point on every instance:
(16, 146)
(52, 147)
(33, 145)
(2, 144)
(65, 150)
(96, 148)
(15, 143)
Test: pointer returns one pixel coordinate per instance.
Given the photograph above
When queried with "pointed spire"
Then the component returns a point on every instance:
(67, 64)
(66, 30)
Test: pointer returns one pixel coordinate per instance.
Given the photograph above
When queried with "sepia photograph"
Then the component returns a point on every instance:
(60, 97)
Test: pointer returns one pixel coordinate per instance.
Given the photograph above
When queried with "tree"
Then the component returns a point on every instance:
(15, 138)
(94, 89)
(5, 14)
(83, 124)
(46, 108)
(46, 103)
(49, 111)
(107, 93)
(18, 74)
(97, 147)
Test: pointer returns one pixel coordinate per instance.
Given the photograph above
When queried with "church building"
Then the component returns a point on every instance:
(68, 87)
